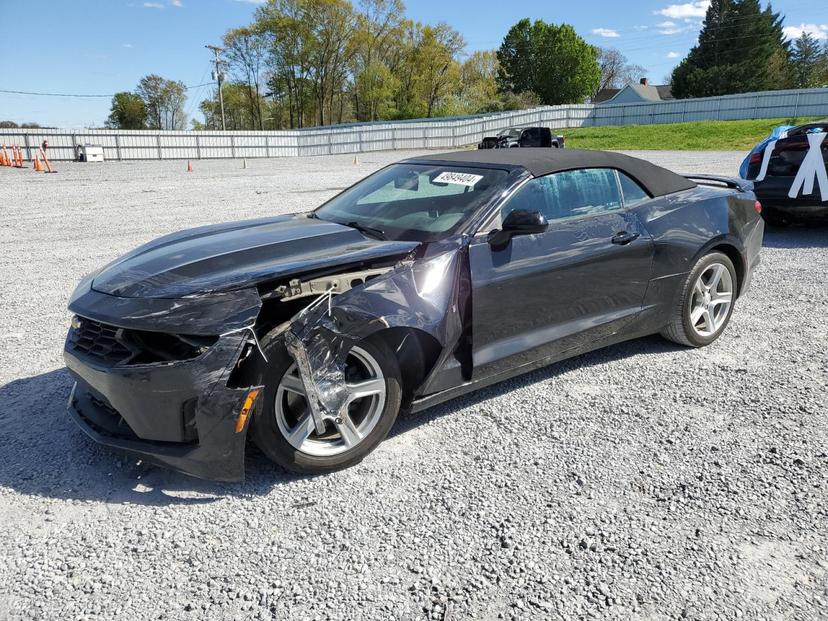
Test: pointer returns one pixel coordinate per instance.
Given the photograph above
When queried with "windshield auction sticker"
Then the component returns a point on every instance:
(457, 178)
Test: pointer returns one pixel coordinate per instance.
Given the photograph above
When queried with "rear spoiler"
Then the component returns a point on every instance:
(734, 183)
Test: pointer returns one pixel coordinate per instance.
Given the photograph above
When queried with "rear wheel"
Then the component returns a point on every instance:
(284, 429)
(706, 302)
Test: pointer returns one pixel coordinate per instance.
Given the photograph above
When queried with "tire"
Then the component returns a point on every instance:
(322, 454)
(698, 319)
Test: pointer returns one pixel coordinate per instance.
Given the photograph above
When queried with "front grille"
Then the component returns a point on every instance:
(99, 341)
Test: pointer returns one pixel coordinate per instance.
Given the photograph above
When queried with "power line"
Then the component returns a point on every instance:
(83, 95)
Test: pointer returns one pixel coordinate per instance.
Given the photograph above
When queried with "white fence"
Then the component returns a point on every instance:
(417, 134)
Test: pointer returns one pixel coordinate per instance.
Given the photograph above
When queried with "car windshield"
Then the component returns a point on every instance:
(414, 202)
(514, 132)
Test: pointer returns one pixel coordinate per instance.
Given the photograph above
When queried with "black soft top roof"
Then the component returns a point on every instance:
(658, 181)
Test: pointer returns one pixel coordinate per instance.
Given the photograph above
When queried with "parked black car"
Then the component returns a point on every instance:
(426, 280)
(523, 137)
(789, 171)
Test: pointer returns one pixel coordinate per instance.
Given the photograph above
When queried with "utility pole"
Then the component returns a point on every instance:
(219, 77)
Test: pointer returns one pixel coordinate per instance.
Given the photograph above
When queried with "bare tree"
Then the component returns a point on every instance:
(615, 70)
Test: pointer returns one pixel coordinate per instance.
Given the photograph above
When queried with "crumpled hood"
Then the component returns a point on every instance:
(239, 254)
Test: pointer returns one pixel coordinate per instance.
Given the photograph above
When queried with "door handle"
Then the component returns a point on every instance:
(623, 238)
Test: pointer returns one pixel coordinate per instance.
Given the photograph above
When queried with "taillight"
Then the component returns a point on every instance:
(756, 157)
(757, 206)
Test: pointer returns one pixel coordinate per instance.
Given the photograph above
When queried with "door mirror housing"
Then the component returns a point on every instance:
(518, 222)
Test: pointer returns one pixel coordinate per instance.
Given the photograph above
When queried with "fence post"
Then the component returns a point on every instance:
(232, 146)
(28, 148)
(158, 143)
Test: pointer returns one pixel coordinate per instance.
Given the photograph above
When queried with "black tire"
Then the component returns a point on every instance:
(265, 429)
(680, 329)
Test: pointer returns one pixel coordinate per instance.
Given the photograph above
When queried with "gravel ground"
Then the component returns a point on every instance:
(641, 481)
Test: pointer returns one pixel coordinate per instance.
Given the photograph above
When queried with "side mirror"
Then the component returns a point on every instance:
(519, 222)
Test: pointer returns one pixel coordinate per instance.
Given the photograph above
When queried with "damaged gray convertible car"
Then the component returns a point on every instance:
(426, 280)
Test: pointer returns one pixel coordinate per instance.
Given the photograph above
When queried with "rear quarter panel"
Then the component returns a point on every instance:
(686, 225)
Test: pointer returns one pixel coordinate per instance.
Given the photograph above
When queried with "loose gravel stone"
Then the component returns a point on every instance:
(644, 480)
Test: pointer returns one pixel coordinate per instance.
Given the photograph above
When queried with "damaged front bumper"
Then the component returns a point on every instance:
(181, 414)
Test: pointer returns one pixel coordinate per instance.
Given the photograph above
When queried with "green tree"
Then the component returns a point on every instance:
(438, 72)
(478, 76)
(245, 51)
(377, 45)
(128, 112)
(808, 62)
(740, 48)
(164, 101)
(549, 60)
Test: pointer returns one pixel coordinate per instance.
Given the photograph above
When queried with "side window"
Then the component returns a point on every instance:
(568, 194)
(531, 137)
(634, 194)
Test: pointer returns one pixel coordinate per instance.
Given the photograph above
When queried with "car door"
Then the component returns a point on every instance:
(530, 137)
(578, 282)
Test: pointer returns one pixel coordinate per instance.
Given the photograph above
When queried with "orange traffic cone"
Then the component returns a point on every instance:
(49, 168)
(37, 166)
(19, 157)
(189, 166)
(4, 159)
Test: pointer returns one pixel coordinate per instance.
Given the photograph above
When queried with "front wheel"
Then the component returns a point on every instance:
(284, 429)
(705, 304)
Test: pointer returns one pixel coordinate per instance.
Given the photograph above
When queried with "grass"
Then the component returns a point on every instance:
(696, 136)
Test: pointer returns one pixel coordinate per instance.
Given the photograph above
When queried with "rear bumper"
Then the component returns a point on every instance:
(181, 416)
(773, 194)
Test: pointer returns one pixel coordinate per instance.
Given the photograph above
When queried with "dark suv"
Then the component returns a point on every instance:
(523, 137)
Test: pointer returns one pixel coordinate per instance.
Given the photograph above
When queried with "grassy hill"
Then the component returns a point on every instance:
(696, 136)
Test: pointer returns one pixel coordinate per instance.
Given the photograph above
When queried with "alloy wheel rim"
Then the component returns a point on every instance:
(365, 384)
(711, 299)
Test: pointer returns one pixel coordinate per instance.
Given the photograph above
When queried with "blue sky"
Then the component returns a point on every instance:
(105, 46)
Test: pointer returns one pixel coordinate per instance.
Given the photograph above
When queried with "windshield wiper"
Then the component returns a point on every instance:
(368, 230)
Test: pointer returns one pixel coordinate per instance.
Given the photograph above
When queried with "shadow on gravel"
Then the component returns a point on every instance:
(646, 345)
(43, 453)
(796, 236)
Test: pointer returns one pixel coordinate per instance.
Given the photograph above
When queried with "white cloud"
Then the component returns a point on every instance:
(128, 46)
(606, 32)
(688, 9)
(641, 27)
(177, 3)
(818, 31)
(673, 54)
(671, 28)
(252, 1)
(153, 5)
